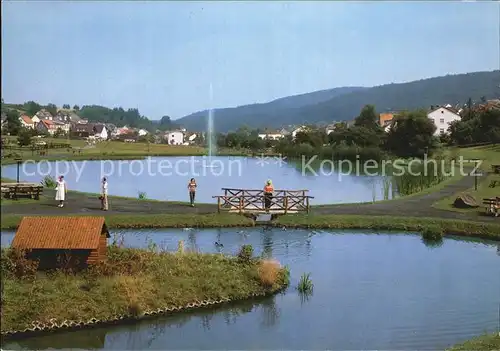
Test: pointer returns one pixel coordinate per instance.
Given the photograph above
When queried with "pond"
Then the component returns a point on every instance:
(371, 291)
(166, 178)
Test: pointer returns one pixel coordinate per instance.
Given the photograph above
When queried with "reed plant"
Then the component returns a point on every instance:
(305, 283)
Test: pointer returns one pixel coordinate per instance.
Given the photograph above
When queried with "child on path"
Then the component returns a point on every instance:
(192, 191)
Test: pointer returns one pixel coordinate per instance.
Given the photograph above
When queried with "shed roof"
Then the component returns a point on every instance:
(56, 232)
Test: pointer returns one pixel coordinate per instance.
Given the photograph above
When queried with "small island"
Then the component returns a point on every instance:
(46, 289)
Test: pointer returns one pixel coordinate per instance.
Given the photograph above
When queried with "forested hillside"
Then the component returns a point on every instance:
(347, 102)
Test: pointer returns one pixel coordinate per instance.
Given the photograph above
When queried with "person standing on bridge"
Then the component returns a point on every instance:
(61, 190)
(268, 195)
(192, 191)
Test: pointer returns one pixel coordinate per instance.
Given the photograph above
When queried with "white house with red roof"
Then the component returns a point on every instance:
(27, 122)
(442, 117)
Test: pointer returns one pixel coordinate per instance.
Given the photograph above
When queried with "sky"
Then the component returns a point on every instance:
(162, 57)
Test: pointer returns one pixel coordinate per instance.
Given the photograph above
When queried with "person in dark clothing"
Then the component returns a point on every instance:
(268, 195)
(192, 191)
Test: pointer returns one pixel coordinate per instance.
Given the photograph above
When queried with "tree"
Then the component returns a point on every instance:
(66, 106)
(13, 122)
(367, 118)
(31, 108)
(52, 108)
(76, 107)
(411, 135)
(24, 137)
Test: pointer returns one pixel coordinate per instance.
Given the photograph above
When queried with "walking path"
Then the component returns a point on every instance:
(413, 206)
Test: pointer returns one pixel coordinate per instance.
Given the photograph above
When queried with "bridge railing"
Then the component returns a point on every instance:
(247, 200)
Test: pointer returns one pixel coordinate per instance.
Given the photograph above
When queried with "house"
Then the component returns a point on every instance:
(387, 125)
(26, 122)
(35, 120)
(79, 130)
(100, 131)
(47, 126)
(44, 114)
(58, 240)
(384, 118)
(297, 130)
(442, 118)
(142, 132)
(175, 137)
(3, 120)
(270, 135)
(330, 128)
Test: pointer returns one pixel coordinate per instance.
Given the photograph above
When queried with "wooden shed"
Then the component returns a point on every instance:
(68, 241)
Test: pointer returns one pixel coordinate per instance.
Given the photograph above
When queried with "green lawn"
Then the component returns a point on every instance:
(489, 154)
(111, 150)
(489, 342)
(483, 191)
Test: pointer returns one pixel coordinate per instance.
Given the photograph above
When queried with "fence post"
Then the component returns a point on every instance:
(241, 204)
(307, 204)
(218, 204)
(286, 204)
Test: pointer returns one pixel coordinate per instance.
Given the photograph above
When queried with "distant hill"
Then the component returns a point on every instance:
(343, 104)
(197, 120)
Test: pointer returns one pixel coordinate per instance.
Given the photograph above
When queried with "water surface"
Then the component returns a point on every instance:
(166, 178)
(371, 291)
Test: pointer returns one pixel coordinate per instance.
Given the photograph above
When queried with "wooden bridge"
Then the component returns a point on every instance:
(252, 201)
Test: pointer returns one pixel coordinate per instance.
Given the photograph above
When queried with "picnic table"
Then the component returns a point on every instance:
(16, 190)
(492, 205)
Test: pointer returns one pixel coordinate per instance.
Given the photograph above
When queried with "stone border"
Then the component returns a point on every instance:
(53, 325)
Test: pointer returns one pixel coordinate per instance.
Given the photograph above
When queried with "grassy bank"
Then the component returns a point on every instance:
(158, 221)
(110, 150)
(131, 282)
(416, 224)
(481, 343)
(488, 154)
(484, 190)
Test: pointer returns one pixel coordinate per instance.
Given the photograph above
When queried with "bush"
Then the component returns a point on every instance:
(14, 262)
(48, 182)
(432, 233)
(246, 253)
(269, 272)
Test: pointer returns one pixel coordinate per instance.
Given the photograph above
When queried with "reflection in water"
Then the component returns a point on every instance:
(364, 278)
(305, 296)
(432, 243)
(267, 242)
(192, 240)
(152, 333)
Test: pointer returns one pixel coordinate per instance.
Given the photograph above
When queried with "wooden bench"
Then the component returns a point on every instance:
(496, 169)
(492, 206)
(14, 191)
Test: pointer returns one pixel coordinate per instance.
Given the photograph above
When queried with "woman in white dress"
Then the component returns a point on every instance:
(61, 190)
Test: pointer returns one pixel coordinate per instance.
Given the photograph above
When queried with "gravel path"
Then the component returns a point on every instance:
(415, 206)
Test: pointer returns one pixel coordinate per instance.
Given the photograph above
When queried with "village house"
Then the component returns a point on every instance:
(142, 132)
(79, 130)
(270, 135)
(26, 122)
(442, 118)
(175, 137)
(57, 241)
(47, 126)
(385, 118)
(297, 130)
(190, 139)
(43, 114)
(100, 131)
(3, 120)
